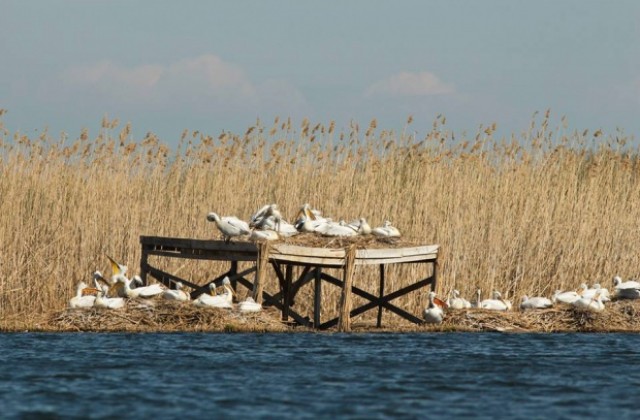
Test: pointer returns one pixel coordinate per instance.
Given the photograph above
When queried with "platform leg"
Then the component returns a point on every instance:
(317, 297)
(380, 296)
(286, 293)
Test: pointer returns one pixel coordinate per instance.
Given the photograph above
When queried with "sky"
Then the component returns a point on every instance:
(167, 66)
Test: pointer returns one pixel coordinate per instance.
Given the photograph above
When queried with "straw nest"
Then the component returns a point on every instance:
(618, 316)
(360, 241)
(165, 316)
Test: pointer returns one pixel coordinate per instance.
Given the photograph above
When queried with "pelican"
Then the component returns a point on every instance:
(340, 229)
(118, 273)
(604, 292)
(176, 294)
(268, 217)
(456, 302)
(249, 305)
(592, 304)
(230, 226)
(110, 303)
(535, 303)
(626, 290)
(264, 235)
(360, 226)
(496, 303)
(386, 230)
(81, 300)
(566, 298)
(224, 300)
(143, 292)
(306, 224)
(434, 313)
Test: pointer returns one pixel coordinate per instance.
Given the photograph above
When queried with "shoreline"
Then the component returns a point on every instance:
(621, 316)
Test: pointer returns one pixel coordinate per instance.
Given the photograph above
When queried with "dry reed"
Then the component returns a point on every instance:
(529, 214)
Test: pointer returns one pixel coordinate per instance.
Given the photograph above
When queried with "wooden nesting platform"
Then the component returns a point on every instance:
(282, 258)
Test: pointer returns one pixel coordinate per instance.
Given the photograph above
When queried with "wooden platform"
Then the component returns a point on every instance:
(282, 258)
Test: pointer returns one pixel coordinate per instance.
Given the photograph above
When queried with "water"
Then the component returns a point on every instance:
(88, 375)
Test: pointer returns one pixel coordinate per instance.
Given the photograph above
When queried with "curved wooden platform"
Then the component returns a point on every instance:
(283, 257)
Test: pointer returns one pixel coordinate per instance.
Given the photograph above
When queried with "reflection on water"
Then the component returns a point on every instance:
(319, 375)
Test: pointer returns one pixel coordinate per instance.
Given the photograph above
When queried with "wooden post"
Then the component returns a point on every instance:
(317, 297)
(344, 324)
(261, 270)
(380, 295)
(144, 266)
(286, 293)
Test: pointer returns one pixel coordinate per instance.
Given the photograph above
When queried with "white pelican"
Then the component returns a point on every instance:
(566, 298)
(177, 293)
(626, 290)
(457, 302)
(249, 305)
(269, 217)
(82, 300)
(496, 303)
(340, 229)
(224, 300)
(535, 303)
(604, 292)
(592, 304)
(306, 224)
(110, 303)
(230, 226)
(386, 230)
(264, 235)
(143, 292)
(434, 312)
(360, 226)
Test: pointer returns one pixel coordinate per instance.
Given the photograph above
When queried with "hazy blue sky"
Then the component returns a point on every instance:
(170, 65)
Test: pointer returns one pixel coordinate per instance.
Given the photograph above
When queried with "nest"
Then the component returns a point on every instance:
(165, 316)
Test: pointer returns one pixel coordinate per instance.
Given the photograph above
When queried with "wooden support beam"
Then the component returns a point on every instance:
(345, 298)
(380, 295)
(261, 271)
(286, 292)
(317, 296)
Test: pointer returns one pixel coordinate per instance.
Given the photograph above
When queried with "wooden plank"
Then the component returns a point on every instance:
(397, 252)
(204, 256)
(380, 295)
(203, 244)
(304, 251)
(398, 260)
(323, 262)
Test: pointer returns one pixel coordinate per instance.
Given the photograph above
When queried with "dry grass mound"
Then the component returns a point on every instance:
(164, 316)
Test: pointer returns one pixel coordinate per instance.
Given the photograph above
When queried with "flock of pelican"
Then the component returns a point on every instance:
(112, 293)
(268, 224)
(584, 299)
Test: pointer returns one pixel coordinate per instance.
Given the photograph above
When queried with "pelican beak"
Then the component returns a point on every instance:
(115, 267)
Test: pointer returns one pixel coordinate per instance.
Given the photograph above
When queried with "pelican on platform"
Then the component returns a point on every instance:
(230, 226)
(82, 300)
(457, 302)
(387, 230)
(535, 302)
(339, 229)
(177, 293)
(264, 235)
(249, 305)
(434, 313)
(360, 226)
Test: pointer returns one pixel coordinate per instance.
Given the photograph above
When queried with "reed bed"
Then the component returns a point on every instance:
(542, 210)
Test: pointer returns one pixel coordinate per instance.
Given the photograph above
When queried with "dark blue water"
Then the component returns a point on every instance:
(319, 375)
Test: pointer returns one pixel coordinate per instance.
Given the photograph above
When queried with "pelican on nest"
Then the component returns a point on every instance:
(177, 293)
(387, 230)
(249, 305)
(105, 302)
(496, 303)
(536, 302)
(82, 300)
(434, 312)
(627, 289)
(224, 300)
(457, 302)
(589, 304)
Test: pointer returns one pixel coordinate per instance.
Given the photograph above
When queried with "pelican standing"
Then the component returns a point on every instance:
(457, 302)
(176, 294)
(535, 303)
(434, 313)
(81, 300)
(230, 226)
